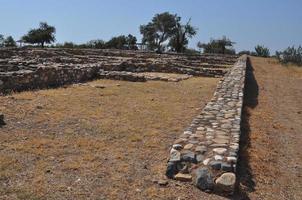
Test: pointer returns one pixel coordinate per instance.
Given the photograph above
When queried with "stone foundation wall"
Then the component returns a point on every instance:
(45, 77)
(23, 69)
(207, 151)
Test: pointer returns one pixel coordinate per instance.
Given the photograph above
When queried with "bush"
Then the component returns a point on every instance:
(244, 53)
(220, 46)
(262, 51)
(290, 55)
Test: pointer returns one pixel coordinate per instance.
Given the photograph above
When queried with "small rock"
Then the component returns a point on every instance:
(204, 179)
(200, 128)
(218, 157)
(189, 157)
(226, 167)
(39, 107)
(177, 146)
(220, 150)
(183, 177)
(215, 165)
(162, 182)
(201, 149)
(220, 141)
(188, 146)
(226, 182)
(171, 170)
(232, 159)
(199, 158)
(206, 161)
(174, 156)
(179, 141)
(99, 86)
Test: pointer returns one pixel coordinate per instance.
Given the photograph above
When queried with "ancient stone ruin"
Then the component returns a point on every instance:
(206, 153)
(22, 69)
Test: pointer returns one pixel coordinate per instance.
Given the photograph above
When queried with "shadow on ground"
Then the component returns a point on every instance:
(245, 182)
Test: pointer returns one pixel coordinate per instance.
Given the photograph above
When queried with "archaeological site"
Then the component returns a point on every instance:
(150, 100)
(105, 121)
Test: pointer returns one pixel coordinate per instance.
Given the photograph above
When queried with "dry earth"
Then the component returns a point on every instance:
(90, 142)
(272, 139)
(85, 142)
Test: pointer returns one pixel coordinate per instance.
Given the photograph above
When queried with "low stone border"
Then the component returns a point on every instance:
(207, 151)
(122, 75)
(140, 77)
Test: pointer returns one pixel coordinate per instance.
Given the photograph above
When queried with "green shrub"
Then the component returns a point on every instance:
(221, 46)
(244, 53)
(290, 55)
(262, 51)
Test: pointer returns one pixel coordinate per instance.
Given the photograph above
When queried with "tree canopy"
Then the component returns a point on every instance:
(222, 45)
(45, 34)
(156, 32)
(10, 42)
(1, 40)
(179, 40)
(166, 27)
(7, 42)
(122, 42)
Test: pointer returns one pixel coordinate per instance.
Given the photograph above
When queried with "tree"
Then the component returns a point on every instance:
(97, 44)
(179, 40)
(290, 55)
(118, 42)
(222, 46)
(122, 42)
(159, 30)
(131, 42)
(45, 34)
(1, 40)
(9, 42)
(262, 51)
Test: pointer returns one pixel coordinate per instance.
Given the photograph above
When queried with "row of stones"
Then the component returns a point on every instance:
(83, 56)
(139, 77)
(58, 74)
(207, 151)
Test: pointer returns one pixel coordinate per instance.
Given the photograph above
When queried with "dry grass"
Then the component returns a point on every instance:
(83, 142)
(273, 155)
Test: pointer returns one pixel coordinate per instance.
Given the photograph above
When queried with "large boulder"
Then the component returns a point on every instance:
(226, 182)
(203, 179)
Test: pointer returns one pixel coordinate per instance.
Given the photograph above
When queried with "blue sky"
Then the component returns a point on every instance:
(273, 23)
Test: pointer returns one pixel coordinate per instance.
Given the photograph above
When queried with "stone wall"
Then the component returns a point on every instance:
(45, 77)
(207, 151)
(22, 69)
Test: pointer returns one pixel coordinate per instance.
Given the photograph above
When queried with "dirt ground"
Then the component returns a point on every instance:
(102, 140)
(91, 142)
(271, 156)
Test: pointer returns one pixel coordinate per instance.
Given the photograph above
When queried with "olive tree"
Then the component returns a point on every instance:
(45, 34)
(159, 30)
(180, 38)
